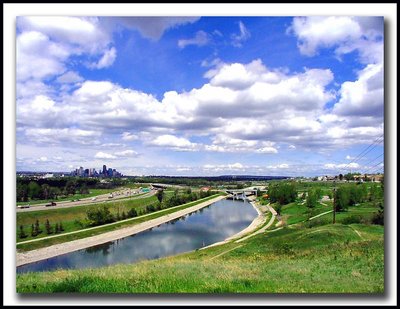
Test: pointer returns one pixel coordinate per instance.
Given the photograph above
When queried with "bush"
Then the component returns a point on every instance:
(353, 219)
(99, 216)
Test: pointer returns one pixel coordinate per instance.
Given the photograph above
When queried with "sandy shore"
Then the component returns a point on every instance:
(63, 248)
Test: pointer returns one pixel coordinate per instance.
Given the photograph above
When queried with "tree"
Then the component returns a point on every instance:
(49, 229)
(70, 187)
(54, 193)
(83, 189)
(34, 190)
(37, 227)
(160, 195)
(22, 192)
(57, 228)
(45, 191)
(99, 216)
(22, 232)
(283, 193)
(378, 218)
(132, 213)
(342, 199)
(340, 177)
(312, 199)
(33, 231)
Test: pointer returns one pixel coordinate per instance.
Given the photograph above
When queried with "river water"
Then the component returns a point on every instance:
(193, 231)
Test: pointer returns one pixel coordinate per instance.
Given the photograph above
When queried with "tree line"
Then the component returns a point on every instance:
(102, 215)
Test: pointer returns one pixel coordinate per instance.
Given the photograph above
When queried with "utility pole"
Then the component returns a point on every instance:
(334, 203)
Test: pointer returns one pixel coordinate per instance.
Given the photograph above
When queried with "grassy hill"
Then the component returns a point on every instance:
(324, 259)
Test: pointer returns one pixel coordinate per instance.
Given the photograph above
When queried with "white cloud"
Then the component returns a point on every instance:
(279, 166)
(333, 166)
(104, 155)
(174, 142)
(66, 136)
(224, 167)
(200, 39)
(126, 153)
(345, 33)
(244, 35)
(267, 150)
(363, 97)
(106, 60)
(126, 136)
(69, 77)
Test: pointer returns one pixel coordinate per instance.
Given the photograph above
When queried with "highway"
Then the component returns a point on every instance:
(118, 195)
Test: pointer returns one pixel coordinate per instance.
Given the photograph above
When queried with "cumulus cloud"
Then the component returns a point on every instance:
(241, 108)
(200, 39)
(363, 97)
(126, 153)
(104, 155)
(344, 33)
(173, 142)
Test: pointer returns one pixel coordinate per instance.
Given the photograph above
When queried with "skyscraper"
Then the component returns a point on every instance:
(104, 170)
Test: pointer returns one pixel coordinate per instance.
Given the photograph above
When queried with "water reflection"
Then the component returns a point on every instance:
(204, 227)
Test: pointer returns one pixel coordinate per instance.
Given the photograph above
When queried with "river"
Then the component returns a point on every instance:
(206, 226)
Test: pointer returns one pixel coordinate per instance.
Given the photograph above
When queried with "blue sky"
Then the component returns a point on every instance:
(295, 96)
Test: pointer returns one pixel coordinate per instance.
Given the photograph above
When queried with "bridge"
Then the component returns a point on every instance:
(241, 194)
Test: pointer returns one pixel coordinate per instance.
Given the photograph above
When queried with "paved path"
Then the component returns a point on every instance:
(54, 250)
(263, 229)
(324, 213)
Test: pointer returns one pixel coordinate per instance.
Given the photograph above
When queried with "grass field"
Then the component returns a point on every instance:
(73, 218)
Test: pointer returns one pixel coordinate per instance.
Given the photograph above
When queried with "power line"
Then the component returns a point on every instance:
(372, 167)
(365, 151)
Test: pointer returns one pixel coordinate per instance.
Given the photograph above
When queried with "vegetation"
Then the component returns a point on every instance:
(308, 255)
(282, 192)
(332, 259)
(78, 234)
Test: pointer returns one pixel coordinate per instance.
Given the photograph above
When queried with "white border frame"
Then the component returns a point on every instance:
(10, 11)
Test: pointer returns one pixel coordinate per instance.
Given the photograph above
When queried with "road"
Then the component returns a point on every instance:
(121, 194)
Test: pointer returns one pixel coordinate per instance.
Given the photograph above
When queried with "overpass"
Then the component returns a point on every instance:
(241, 194)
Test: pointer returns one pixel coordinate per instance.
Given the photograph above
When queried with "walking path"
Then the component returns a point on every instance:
(63, 248)
(262, 230)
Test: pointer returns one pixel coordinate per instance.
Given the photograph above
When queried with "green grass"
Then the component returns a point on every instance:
(73, 218)
(102, 229)
(332, 259)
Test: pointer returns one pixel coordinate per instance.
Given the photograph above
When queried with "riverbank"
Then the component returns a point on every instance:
(32, 256)
(254, 225)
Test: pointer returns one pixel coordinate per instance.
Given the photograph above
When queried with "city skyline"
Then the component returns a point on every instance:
(298, 96)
